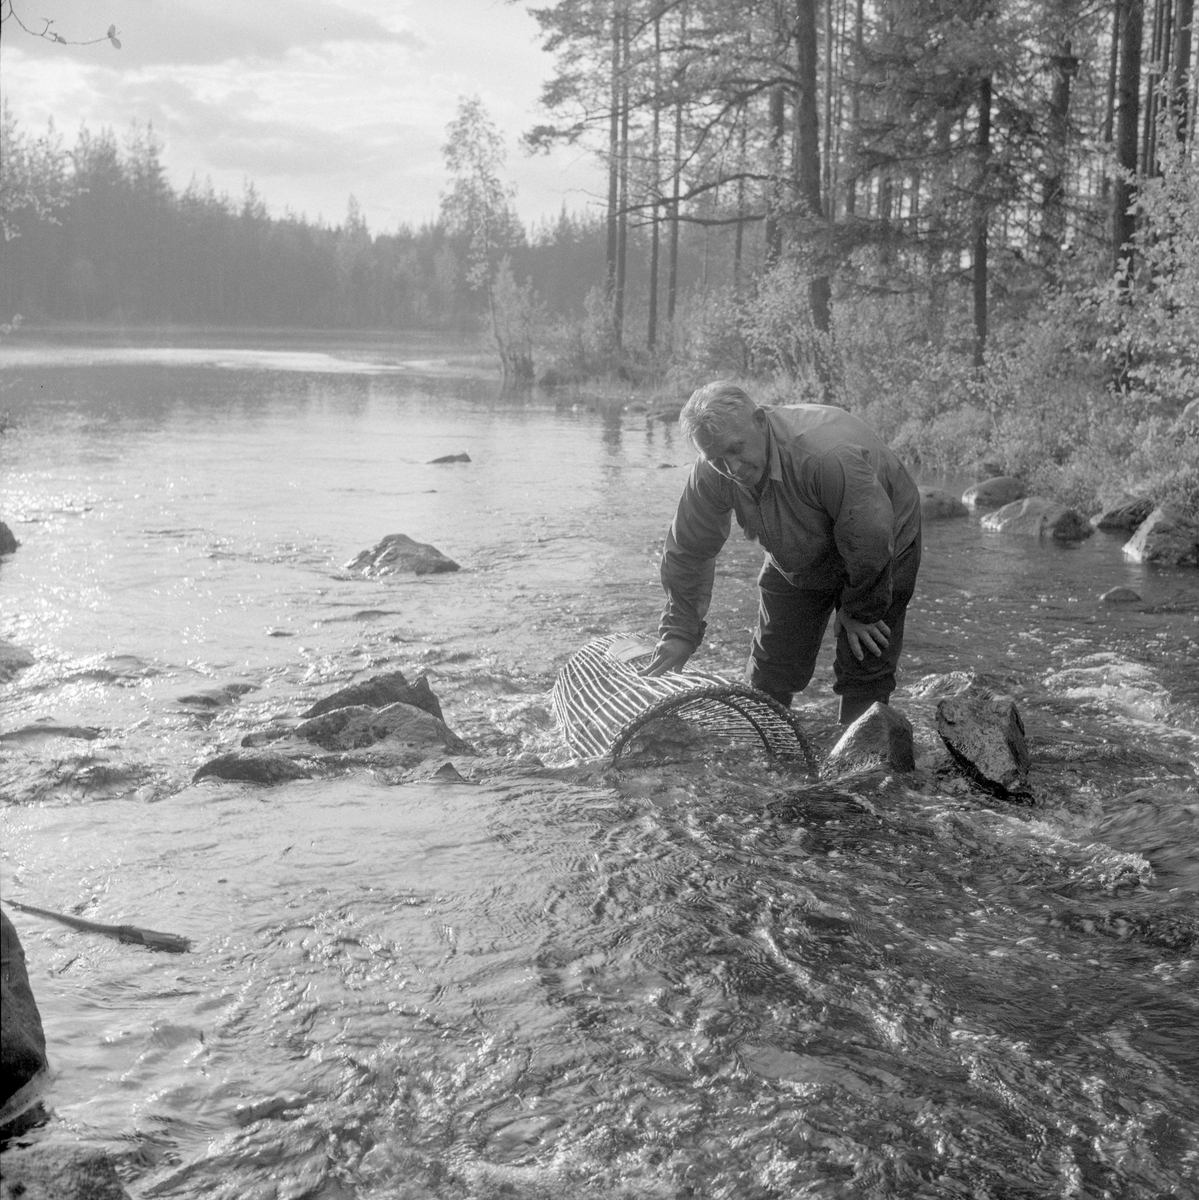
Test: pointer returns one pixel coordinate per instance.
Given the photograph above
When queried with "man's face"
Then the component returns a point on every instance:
(740, 452)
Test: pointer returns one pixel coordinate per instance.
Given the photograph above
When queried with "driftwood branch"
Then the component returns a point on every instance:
(152, 939)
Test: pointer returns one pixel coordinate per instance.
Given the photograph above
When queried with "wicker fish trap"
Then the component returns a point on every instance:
(602, 702)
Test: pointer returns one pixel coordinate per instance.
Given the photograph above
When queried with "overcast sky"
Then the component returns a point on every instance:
(311, 99)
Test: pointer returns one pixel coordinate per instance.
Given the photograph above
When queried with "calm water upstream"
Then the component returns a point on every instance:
(695, 976)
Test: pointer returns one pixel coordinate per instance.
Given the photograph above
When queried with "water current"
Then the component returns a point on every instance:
(697, 975)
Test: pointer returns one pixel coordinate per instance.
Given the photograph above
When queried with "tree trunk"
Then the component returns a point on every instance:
(1179, 77)
(981, 212)
(774, 198)
(613, 153)
(855, 112)
(1128, 96)
(651, 335)
(1053, 222)
(622, 215)
(807, 122)
(672, 287)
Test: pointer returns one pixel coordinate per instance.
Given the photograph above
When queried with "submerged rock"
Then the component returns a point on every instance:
(252, 766)
(992, 493)
(450, 458)
(1167, 538)
(938, 505)
(60, 1171)
(217, 697)
(1120, 595)
(359, 726)
(12, 660)
(985, 736)
(399, 554)
(1126, 513)
(881, 736)
(8, 543)
(1039, 517)
(22, 1040)
(381, 690)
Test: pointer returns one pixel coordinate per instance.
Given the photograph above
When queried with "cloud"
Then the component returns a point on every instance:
(194, 32)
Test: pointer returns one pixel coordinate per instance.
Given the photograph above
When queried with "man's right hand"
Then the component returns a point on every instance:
(670, 654)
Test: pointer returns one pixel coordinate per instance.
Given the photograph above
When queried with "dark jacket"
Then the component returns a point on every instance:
(835, 510)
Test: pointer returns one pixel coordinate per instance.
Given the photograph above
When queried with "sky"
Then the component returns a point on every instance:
(311, 100)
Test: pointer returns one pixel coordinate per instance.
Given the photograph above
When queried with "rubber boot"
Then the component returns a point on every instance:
(852, 707)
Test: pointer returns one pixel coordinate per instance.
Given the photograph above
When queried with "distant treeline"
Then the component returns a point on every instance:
(97, 233)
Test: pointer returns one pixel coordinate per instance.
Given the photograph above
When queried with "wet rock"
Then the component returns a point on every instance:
(994, 492)
(22, 1040)
(252, 766)
(938, 505)
(881, 736)
(1167, 538)
(379, 691)
(50, 728)
(60, 1171)
(1126, 513)
(12, 660)
(450, 458)
(1120, 595)
(985, 736)
(447, 773)
(357, 727)
(217, 697)
(264, 737)
(399, 554)
(8, 543)
(1039, 517)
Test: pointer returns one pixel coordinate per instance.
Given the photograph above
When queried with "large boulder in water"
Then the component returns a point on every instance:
(1166, 537)
(22, 1040)
(57, 1170)
(881, 736)
(398, 554)
(8, 543)
(415, 730)
(938, 505)
(379, 691)
(992, 493)
(985, 736)
(1128, 512)
(1040, 518)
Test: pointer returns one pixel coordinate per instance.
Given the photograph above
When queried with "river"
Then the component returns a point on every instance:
(693, 976)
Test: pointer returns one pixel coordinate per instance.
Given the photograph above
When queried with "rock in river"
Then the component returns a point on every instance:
(1126, 513)
(938, 505)
(1167, 538)
(381, 690)
(450, 458)
(881, 736)
(22, 1041)
(12, 660)
(8, 543)
(992, 493)
(253, 766)
(357, 727)
(985, 736)
(1039, 517)
(399, 554)
(58, 1170)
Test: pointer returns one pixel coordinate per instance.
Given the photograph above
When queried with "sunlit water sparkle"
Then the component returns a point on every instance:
(699, 975)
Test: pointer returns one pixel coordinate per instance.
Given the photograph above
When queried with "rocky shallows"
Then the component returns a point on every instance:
(384, 722)
(1039, 517)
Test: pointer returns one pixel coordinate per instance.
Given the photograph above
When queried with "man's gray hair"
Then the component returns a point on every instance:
(712, 410)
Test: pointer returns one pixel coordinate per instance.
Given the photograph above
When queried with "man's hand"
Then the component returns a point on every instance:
(670, 654)
(875, 637)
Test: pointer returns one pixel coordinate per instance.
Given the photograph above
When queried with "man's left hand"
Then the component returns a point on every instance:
(874, 636)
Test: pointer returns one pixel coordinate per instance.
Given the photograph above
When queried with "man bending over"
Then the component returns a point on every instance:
(839, 519)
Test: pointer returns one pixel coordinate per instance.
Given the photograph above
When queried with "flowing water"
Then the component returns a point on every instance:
(698, 975)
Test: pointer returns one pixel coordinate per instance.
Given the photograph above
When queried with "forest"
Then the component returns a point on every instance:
(975, 221)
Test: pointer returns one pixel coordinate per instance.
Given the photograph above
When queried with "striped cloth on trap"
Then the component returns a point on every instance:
(601, 702)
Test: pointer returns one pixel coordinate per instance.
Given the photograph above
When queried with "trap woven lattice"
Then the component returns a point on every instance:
(602, 701)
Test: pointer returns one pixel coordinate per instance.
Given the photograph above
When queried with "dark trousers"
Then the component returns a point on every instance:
(791, 625)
